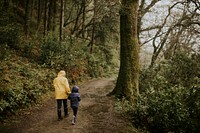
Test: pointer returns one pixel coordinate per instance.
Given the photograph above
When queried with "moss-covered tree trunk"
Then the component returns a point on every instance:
(128, 78)
(27, 17)
(45, 17)
(61, 18)
(50, 16)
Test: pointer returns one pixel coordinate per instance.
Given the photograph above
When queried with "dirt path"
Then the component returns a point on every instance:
(96, 114)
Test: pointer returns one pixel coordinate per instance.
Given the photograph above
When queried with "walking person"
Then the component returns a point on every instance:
(74, 98)
(62, 90)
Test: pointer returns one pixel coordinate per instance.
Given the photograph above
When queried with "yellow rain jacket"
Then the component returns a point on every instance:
(61, 86)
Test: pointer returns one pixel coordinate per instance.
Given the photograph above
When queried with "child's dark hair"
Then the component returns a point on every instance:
(75, 89)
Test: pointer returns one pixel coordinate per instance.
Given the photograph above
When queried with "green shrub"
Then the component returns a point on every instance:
(50, 49)
(22, 85)
(170, 96)
(12, 99)
(183, 69)
(180, 70)
(161, 111)
(174, 109)
(3, 51)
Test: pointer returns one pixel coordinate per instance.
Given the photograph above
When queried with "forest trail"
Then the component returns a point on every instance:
(96, 114)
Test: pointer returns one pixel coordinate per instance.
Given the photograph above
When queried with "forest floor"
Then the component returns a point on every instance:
(96, 114)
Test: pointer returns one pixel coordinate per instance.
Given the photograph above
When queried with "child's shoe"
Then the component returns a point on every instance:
(74, 120)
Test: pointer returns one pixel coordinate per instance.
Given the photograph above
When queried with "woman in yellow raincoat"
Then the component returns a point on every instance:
(62, 90)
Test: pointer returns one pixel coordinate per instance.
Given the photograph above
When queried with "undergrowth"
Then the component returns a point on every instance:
(167, 102)
(22, 83)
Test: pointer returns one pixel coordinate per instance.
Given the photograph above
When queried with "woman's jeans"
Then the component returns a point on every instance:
(59, 106)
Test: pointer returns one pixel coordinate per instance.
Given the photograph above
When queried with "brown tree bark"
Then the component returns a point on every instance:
(6, 4)
(127, 83)
(45, 16)
(93, 28)
(38, 14)
(83, 23)
(61, 19)
(27, 17)
(50, 16)
(54, 14)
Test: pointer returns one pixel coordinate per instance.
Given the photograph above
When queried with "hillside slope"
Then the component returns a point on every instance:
(22, 82)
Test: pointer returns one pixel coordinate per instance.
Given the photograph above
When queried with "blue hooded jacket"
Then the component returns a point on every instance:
(74, 97)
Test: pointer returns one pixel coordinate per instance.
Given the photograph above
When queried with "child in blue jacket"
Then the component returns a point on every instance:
(74, 98)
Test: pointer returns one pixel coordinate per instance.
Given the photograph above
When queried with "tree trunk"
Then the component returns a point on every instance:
(6, 5)
(61, 19)
(93, 28)
(27, 17)
(45, 16)
(128, 79)
(83, 25)
(50, 16)
(38, 15)
(54, 15)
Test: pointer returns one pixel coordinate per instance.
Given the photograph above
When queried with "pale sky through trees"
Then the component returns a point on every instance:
(156, 17)
(178, 15)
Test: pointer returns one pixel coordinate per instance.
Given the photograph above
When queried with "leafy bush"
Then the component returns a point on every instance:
(183, 69)
(180, 70)
(22, 84)
(15, 98)
(69, 55)
(12, 99)
(50, 49)
(161, 111)
(175, 109)
(170, 97)
(3, 51)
